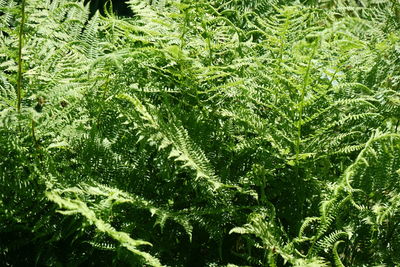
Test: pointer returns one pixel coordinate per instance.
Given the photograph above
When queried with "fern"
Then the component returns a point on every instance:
(199, 133)
(72, 206)
(182, 149)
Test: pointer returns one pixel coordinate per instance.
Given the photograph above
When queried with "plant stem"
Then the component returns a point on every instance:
(301, 193)
(301, 105)
(20, 44)
(35, 141)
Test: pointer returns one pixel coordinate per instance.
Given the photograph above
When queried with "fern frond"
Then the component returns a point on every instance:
(336, 256)
(329, 241)
(75, 206)
(182, 148)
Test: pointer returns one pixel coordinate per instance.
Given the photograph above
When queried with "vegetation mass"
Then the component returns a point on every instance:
(200, 133)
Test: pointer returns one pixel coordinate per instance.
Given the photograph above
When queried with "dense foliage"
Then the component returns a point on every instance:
(200, 133)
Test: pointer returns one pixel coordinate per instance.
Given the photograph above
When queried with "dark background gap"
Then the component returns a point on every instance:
(120, 7)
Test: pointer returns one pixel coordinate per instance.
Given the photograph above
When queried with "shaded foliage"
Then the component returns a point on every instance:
(199, 133)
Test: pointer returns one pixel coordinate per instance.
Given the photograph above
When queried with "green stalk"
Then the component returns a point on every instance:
(35, 141)
(301, 194)
(20, 44)
(282, 41)
(301, 105)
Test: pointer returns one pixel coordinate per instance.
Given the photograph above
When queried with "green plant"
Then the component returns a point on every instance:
(199, 133)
